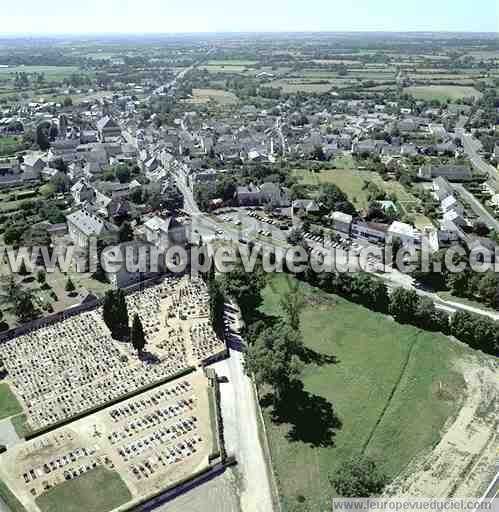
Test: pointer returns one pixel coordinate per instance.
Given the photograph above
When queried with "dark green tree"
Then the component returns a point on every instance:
(115, 313)
(137, 336)
(126, 232)
(70, 287)
(274, 359)
(358, 478)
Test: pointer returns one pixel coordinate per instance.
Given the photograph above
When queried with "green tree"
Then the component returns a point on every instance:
(292, 303)
(42, 135)
(24, 307)
(274, 359)
(41, 277)
(358, 478)
(217, 306)
(126, 232)
(70, 287)
(115, 313)
(403, 303)
(137, 336)
(23, 271)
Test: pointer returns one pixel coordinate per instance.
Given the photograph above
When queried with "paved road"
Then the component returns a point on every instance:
(208, 227)
(240, 421)
(477, 207)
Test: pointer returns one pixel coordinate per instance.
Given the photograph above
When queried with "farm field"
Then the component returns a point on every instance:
(442, 92)
(291, 86)
(362, 400)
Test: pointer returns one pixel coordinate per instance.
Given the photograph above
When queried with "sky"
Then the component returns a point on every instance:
(175, 16)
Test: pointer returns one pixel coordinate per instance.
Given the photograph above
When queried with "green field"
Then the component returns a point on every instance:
(9, 146)
(442, 92)
(201, 96)
(98, 490)
(51, 72)
(9, 406)
(375, 386)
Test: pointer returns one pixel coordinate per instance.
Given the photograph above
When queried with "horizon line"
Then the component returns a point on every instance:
(256, 32)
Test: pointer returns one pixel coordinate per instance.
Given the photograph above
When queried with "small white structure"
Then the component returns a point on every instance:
(406, 233)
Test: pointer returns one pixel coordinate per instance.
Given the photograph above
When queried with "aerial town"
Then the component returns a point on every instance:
(147, 389)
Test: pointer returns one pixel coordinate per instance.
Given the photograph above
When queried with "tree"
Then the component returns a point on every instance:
(403, 303)
(137, 336)
(125, 233)
(115, 313)
(42, 135)
(296, 237)
(217, 306)
(122, 173)
(24, 307)
(358, 478)
(23, 271)
(68, 102)
(274, 359)
(293, 303)
(70, 287)
(41, 277)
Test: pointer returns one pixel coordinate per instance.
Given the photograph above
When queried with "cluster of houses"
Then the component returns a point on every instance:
(92, 138)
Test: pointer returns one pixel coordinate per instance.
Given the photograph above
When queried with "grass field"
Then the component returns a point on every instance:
(9, 145)
(98, 490)
(217, 95)
(376, 387)
(290, 86)
(442, 92)
(9, 406)
(50, 72)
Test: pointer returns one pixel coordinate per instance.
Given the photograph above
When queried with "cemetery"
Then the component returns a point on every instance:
(150, 441)
(71, 368)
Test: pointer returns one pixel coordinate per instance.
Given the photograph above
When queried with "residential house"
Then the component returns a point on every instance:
(165, 233)
(82, 192)
(452, 172)
(107, 129)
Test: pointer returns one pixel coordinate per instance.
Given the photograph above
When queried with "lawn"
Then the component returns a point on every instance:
(351, 181)
(442, 92)
(98, 490)
(373, 386)
(9, 406)
(9, 145)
